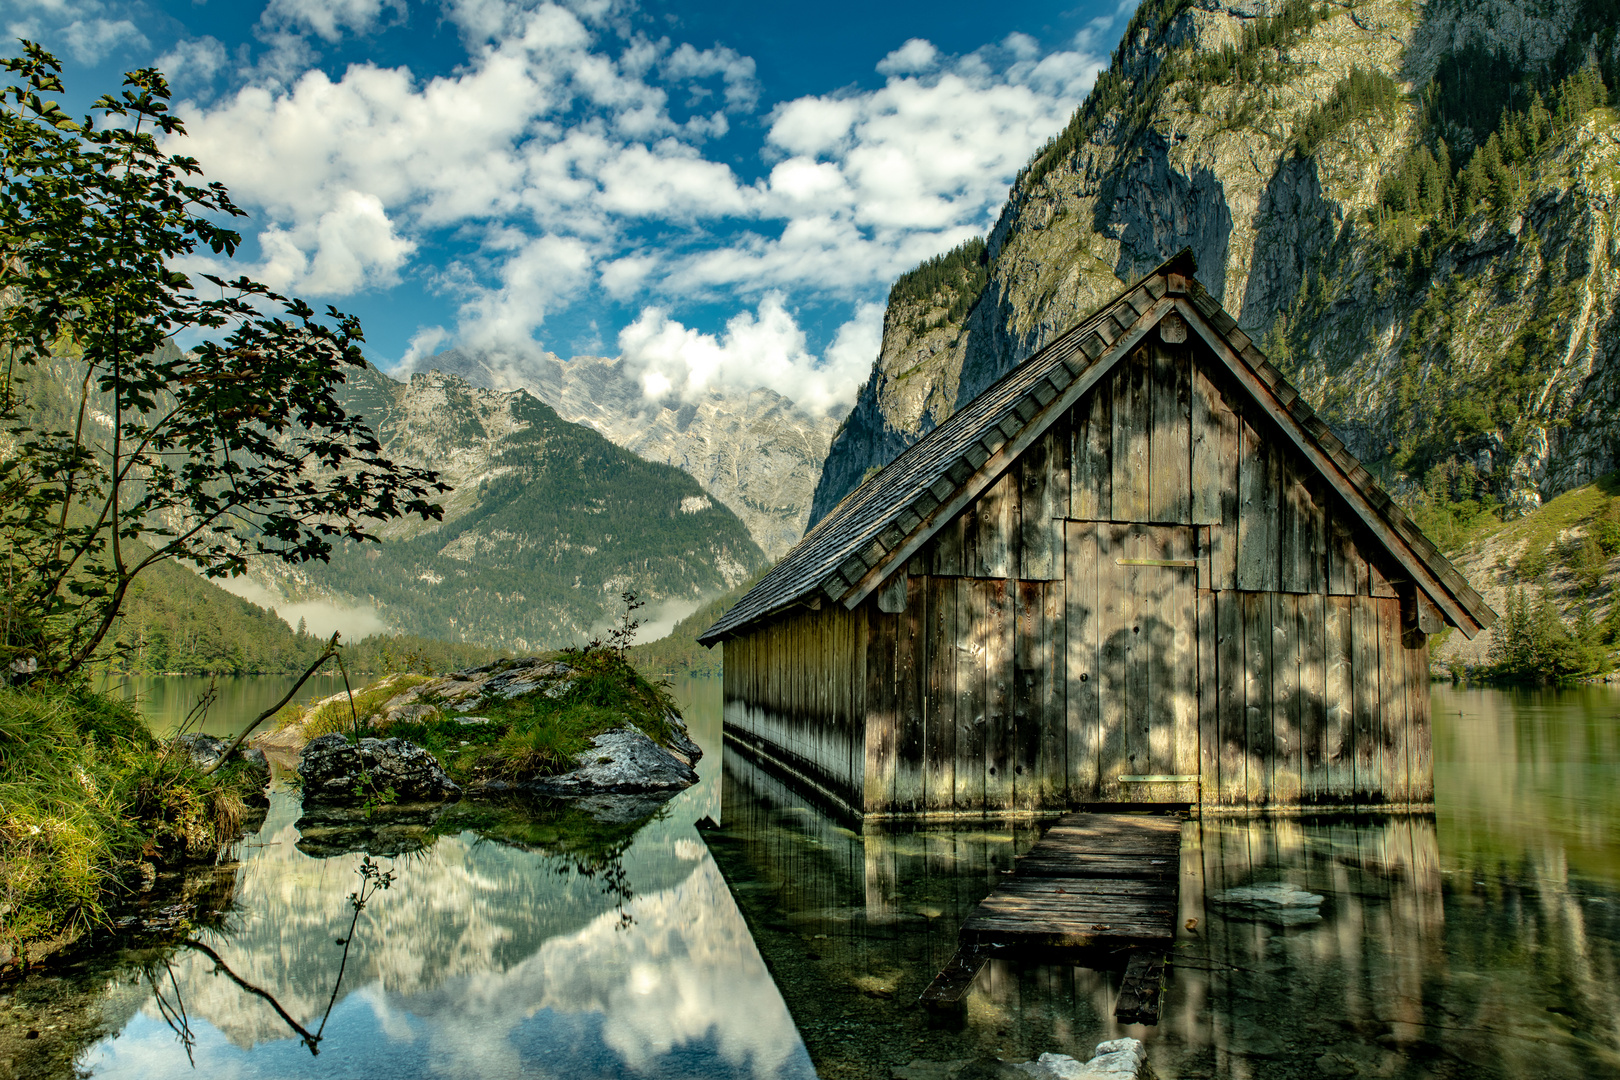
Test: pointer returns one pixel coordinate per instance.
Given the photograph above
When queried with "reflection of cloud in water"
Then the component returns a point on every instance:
(687, 971)
(482, 961)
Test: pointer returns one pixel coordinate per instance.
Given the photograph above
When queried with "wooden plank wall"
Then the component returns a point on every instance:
(1310, 686)
(965, 693)
(1158, 586)
(799, 684)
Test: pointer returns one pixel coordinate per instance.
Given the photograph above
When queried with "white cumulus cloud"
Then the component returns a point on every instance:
(762, 348)
(89, 40)
(329, 18)
(571, 150)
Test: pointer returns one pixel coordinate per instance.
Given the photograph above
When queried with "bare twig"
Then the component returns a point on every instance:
(327, 653)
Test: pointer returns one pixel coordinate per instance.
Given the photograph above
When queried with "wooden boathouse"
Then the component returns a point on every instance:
(1136, 569)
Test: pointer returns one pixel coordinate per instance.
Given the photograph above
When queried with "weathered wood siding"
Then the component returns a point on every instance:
(796, 689)
(1158, 601)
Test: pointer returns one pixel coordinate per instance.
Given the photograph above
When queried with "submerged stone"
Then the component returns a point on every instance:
(1281, 903)
(1117, 1059)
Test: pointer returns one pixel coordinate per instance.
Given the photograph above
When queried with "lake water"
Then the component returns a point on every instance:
(167, 700)
(1483, 941)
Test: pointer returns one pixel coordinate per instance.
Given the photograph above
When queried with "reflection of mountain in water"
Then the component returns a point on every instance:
(465, 906)
(686, 972)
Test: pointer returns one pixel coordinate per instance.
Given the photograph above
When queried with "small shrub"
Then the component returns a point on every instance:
(1606, 529)
(1587, 562)
(1534, 562)
(1608, 631)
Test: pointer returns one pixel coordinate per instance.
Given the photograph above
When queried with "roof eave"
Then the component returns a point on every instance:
(1469, 614)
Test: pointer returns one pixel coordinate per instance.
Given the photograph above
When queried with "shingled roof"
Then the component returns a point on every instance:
(894, 513)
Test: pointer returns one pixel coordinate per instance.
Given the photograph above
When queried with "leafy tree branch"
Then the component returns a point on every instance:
(235, 448)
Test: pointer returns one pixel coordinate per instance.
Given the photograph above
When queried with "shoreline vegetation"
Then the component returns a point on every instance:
(176, 623)
(1552, 573)
(94, 808)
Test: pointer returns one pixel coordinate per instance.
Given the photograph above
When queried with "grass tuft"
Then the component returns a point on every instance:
(333, 714)
(538, 734)
(85, 793)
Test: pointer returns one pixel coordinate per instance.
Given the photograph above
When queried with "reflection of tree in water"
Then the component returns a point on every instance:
(373, 879)
(610, 872)
(587, 838)
(172, 1012)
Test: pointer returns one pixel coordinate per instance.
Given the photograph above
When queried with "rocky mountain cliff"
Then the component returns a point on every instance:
(549, 522)
(1413, 209)
(755, 451)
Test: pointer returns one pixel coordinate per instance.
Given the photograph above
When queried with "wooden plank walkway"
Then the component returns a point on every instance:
(1094, 881)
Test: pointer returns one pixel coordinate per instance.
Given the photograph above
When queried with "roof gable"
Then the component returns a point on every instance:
(891, 516)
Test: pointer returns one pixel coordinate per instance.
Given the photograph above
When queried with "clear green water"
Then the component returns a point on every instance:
(1481, 942)
(166, 700)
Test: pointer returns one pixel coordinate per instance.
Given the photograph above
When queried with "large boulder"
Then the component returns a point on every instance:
(621, 761)
(336, 771)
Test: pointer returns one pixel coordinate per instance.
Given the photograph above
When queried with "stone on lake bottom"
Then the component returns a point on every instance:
(1117, 1059)
(1281, 903)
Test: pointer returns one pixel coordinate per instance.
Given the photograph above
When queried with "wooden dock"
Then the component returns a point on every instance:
(1104, 882)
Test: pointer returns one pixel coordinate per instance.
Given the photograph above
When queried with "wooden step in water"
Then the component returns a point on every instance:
(1075, 912)
(1094, 881)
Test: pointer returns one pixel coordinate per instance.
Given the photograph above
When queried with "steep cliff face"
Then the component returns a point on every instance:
(1413, 209)
(915, 382)
(754, 450)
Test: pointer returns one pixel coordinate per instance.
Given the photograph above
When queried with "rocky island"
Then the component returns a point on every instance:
(578, 723)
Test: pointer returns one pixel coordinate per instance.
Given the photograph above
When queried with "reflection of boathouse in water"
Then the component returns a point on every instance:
(1137, 568)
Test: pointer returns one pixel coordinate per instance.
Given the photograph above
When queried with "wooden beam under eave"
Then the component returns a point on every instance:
(996, 463)
(1422, 576)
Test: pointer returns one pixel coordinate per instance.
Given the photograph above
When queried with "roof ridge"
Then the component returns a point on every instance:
(892, 509)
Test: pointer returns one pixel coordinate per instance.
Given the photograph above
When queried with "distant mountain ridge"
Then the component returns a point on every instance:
(751, 449)
(549, 522)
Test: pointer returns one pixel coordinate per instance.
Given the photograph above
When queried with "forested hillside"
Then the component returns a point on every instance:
(175, 621)
(548, 525)
(678, 652)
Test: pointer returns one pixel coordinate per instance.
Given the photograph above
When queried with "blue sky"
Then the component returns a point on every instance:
(719, 192)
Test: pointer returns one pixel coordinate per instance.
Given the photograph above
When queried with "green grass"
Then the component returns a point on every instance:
(536, 734)
(1538, 532)
(337, 716)
(86, 793)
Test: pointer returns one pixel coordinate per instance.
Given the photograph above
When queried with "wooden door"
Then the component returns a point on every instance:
(1132, 662)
